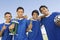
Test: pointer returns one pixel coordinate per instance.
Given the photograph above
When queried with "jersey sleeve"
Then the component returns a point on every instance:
(1, 25)
(27, 23)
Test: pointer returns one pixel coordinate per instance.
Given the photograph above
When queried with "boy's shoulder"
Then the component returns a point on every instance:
(55, 13)
(1, 24)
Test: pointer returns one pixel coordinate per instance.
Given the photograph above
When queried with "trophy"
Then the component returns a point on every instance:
(13, 31)
(30, 24)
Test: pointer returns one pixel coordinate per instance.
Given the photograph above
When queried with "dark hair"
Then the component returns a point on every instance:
(7, 13)
(20, 8)
(35, 11)
(42, 7)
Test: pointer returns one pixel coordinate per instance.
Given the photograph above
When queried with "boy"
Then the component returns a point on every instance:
(35, 33)
(22, 26)
(49, 24)
(4, 27)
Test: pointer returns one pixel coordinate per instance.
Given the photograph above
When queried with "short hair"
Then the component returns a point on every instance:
(35, 11)
(20, 8)
(42, 7)
(7, 13)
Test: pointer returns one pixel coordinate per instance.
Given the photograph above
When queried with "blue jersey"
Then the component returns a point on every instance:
(51, 27)
(36, 31)
(5, 35)
(21, 30)
(57, 30)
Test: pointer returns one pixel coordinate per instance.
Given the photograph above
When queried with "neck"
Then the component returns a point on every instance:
(35, 18)
(48, 14)
(20, 17)
(7, 21)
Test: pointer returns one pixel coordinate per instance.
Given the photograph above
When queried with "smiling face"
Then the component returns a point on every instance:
(44, 11)
(35, 15)
(20, 13)
(8, 16)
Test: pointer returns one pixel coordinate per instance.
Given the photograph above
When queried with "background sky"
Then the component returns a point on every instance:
(28, 5)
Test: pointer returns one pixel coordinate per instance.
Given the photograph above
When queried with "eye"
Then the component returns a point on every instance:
(43, 8)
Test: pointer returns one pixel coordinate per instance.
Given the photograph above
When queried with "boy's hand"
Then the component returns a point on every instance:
(30, 26)
(4, 27)
(11, 26)
(25, 16)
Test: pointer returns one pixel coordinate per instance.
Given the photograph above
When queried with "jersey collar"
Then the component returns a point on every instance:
(48, 15)
(19, 18)
(33, 19)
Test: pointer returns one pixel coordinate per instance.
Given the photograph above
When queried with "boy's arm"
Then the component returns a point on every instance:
(11, 26)
(29, 26)
(3, 28)
(40, 17)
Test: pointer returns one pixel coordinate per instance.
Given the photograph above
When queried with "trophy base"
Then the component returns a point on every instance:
(30, 30)
(12, 34)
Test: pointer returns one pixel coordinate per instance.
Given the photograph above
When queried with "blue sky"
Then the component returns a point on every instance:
(28, 5)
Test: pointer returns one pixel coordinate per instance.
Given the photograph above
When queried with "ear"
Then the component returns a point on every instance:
(48, 9)
(23, 11)
(17, 12)
(11, 16)
(16, 16)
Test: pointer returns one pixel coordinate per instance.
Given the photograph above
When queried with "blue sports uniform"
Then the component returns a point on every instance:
(57, 30)
(36, 31)
(5, 35)
(50, 26)
(21, 30)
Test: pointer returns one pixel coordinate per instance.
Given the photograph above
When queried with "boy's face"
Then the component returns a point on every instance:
(35, 16)
(8, 17)
(44, 11)
(20, 12)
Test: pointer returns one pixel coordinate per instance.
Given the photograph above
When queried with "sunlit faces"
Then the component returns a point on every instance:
(20, 13)
(8, 16)
(35, 15)
(44, 11)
